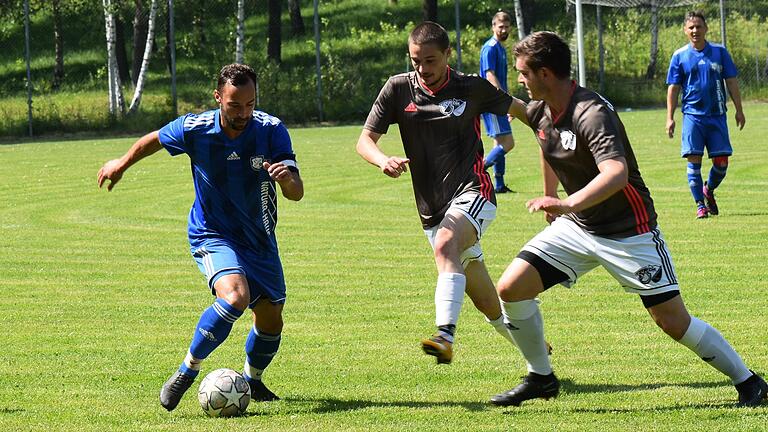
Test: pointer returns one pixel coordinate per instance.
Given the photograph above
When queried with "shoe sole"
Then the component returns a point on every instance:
(431, 348)
(520, 402)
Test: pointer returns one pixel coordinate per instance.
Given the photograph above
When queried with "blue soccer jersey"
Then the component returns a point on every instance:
(700, 75)
(493, 57)
(235, 198)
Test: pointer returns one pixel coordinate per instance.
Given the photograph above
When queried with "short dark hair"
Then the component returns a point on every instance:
(546, 49)
(236, 74)
(429, 32)
(690, 15)
(501, 16)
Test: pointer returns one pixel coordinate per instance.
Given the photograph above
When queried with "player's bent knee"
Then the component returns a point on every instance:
(720, 161)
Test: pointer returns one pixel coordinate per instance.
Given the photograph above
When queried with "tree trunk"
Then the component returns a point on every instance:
(140, 23)
(58, 42)
(120, 54)
(651, 71)
(429, 10)
(519, 20)
(240, 41)
(297, 22)
(274, 41)
(140, 82)
(528, 10)
(116, 102)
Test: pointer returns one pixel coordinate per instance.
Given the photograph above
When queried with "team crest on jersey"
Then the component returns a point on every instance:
(648, 274)
(453, 107)
(568, 139)
(257, 162)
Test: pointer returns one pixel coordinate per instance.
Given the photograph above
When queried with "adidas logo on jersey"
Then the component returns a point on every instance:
(233, 156)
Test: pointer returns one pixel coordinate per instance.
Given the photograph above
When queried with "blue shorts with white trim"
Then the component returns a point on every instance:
(496, 125)
(217, 257)
(710, 132)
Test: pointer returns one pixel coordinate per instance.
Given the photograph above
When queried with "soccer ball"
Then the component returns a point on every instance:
(224, 393)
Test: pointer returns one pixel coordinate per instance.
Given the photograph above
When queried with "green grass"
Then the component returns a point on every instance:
(101, 296)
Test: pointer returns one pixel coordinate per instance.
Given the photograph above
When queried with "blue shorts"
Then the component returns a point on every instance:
(710, 132)
(218, 257)
(496, 125)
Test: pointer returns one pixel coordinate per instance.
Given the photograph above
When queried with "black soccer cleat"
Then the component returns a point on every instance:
(503, 189)
(709, 197)
(174, 389)
(752, 392)
(533, 386)
(260, 392)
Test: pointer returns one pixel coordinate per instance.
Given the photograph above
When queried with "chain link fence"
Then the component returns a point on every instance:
(624, 28)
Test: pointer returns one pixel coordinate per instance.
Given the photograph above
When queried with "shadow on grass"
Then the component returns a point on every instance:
(332, 405)
(568, 386)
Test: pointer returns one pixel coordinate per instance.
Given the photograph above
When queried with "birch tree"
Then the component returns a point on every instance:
(58, 42)
(116, 101)
(240, 41)
(141, 81)
(519, 20)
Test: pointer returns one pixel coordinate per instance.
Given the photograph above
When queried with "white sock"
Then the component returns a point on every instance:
(527, 329)
(191, 362)
(710, 346)
(501, 327)
(449, 296)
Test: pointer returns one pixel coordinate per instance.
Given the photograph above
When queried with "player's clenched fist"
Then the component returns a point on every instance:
(394, 166)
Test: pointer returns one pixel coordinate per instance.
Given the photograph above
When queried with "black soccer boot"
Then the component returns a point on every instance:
(260, 392)
(174, 389)
(533, 386)
(752, 392)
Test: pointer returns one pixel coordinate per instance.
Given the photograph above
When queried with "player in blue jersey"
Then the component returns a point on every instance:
(237, 155)
(493, 67)
(698, 70)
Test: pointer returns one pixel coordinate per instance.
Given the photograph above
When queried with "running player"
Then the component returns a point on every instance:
(698, 70)
(237, 156)
(608, 220)
(437, 110)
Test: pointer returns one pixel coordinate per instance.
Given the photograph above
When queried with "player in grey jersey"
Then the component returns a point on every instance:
(437, 110)
(607, 220)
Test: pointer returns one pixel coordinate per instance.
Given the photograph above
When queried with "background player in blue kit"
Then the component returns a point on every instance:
(237, 155)
(493, 67)
(698, 70)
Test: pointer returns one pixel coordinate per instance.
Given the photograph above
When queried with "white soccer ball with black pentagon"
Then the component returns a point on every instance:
(224, 393)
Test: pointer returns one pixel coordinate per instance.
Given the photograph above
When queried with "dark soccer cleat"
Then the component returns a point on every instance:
(174, 389)
(504, 189)
(709, 196)
(260, 392)
(752, 392)
(533, 386)
(439, 347)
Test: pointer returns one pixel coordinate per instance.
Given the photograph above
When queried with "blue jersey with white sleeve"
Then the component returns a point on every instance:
(700, 75)
(235, 197)
(493, 57)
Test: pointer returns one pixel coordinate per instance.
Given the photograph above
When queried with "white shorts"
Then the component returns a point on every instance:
(641, 264)
(480, 212)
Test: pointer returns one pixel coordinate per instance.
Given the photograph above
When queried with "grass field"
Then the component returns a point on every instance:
(101, 297)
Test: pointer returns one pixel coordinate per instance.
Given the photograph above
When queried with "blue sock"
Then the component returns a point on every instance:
(260, 349)
(716, 176)
(212, 329)
(695, 182)
(496, 154)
